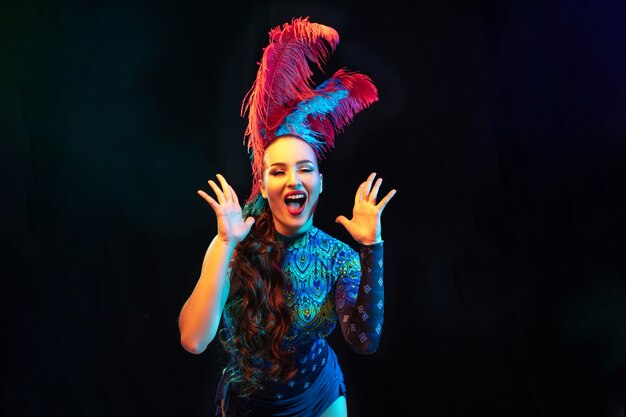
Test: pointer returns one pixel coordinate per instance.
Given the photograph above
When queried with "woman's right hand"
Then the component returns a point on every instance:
(231, 227)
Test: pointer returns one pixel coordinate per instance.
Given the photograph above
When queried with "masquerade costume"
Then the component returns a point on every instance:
(326, 280)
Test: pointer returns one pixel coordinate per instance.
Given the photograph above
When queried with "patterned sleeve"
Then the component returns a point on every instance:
(359, 297)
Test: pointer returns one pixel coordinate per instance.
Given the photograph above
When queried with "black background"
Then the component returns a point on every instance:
(500, 123)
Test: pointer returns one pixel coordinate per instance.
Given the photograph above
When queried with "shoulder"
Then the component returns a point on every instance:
(336, 247)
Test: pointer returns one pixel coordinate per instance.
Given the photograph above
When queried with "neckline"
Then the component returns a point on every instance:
(294, 238)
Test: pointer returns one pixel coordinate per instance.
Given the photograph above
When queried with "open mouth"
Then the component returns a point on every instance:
(295, 203)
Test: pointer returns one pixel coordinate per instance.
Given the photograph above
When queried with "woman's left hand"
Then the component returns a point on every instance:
(365, 223)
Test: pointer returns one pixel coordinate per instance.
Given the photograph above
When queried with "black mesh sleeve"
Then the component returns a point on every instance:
(361, 314)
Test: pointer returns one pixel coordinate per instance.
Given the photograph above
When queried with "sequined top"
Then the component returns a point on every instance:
(327, 282)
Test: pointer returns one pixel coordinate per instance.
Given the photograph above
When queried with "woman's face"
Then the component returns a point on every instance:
(291, 184)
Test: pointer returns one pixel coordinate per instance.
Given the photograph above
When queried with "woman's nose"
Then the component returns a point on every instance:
(294, 179)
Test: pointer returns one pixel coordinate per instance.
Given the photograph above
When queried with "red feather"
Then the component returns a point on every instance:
(284, 78)
(361, 94)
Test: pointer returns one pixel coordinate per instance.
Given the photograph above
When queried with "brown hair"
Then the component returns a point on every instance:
(260, 318)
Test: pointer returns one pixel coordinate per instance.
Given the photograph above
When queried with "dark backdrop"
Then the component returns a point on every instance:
(500, 123)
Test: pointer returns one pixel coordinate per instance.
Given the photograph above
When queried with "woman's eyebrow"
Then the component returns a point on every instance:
(304, 161)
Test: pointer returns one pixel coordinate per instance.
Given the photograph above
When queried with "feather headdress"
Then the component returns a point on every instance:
(284, 100)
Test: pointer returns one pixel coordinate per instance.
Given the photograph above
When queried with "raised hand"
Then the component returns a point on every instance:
(365, 226)
(231, 227)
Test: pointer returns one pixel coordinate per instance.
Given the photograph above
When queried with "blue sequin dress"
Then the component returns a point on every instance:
(328, 282)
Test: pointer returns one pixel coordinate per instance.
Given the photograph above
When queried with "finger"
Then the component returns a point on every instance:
(374, 193)
(234, 194)
(384, 201)
(250, 221)
(225, 187)
(342, 220)
(359, 194)
(368, 185)
(214, 205)
(218, 192)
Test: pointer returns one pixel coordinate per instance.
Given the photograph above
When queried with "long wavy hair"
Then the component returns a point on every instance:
(260, 318)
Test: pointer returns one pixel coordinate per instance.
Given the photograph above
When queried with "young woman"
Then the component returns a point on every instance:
(277, 284)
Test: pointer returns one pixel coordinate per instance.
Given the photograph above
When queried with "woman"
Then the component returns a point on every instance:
(276, 282)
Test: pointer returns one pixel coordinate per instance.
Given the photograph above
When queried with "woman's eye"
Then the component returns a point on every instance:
(277, 172)
(306, 169)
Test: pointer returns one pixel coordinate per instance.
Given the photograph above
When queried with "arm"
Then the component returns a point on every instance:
(359, 297)
(201, 314)
(361, 314)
